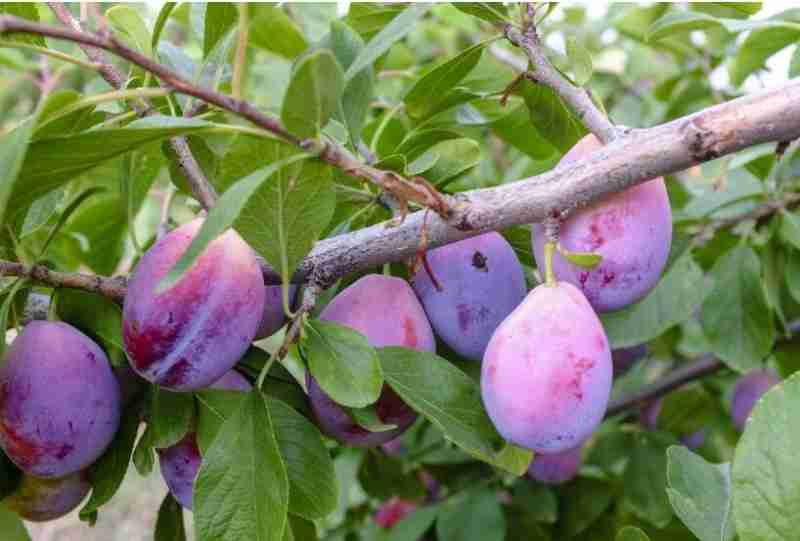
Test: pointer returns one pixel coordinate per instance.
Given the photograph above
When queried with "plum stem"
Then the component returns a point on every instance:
(549, 275)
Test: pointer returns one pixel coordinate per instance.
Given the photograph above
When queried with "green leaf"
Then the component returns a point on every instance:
(585, 260)
(687, 410)
(645, 480)
(287, 215)
(551, 116)
(536, 501)
(476, 516)
(672, 301)
(579, 60)
(10, 524)
(169, 525)
(272, 30)
(516, 130)
(737, 10)
(110, 469)
(446, 161)
(313, 490)
(228, 209)
(143, 455)
(383, 477)
(5, 308)
(313, 94)
(13, 149)
(367, 417)
(794, 64)
(95, 315)
(220, 18)
(50, 163)
(765, 476)
(792, 274)
(417, 142)
(587, 499)
(631, 533)
(127, 22)
(343, 362)
(368, 19)
(761, 44)
(450, 400)
(161, 22)
(700, 494)
(677, 22)
(432, 88)
(346, 44)
(242, 489)
(736, 317)
(790, 228)
(24, 10)
(413, 526)
(170, 417)
(247, 154)
(493, 12)
(393, 32)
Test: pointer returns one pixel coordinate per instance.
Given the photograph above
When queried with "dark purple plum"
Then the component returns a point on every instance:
(387, 312)
(181, 462)
(625, 358)
(558, 468)
(188, 336)
(748, 390)
(481, 282)
(393, 511)
(546, 375)
(60, 402)
(41, 500)
(648, 417)
(631, 229)
(274, 317)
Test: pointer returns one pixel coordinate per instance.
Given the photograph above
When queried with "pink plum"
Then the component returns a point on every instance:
(558, 468)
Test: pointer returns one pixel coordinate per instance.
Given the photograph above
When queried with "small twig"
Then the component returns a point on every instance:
(758, 214)
(113, 288)
(166, 203)
(577, 98)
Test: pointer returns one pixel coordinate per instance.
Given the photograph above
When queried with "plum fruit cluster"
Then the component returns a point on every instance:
(60, 406)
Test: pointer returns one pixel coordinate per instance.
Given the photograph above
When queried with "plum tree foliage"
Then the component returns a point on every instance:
(285, 249)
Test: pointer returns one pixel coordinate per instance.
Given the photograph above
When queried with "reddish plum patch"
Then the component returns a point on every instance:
(387, 312)
(181, 462)
(393, 511)
(747, 392)
(557, 468)
(188, 336)
(544, 385)
(59, 400)
(632, 230)
(481, 282)
(41, 500)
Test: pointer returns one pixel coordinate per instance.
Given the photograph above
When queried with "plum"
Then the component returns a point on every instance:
(648, 417)
(60, 402)
(631, 229)
(387, 312)
(546, 374)
(188, 336)
(181, 462)
(625, 358)
(274, 317)
(481, 282)
(40, 500)
(557, 468)
(393, 511)
(748, 390)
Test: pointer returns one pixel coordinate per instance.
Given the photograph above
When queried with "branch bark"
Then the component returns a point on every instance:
(416, 190)
(578, 98)
(113, 288)
(201, 188)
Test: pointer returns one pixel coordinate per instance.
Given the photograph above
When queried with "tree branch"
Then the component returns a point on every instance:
(577, 98)
(417, 190)
(113, 288)
(201, 188)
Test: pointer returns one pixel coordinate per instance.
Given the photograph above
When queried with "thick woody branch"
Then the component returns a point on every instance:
(113, 288)
(416, 190)
(578, 98)
(202, 189)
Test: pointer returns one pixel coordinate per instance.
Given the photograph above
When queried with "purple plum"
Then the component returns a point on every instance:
(188, 336)
(747, 392)
(181, 462)
(40, 500)
(631, 229)
(481, 282)
(558, 468)
(648, 417)
(625, 358)
(387, 312)
(274, 316)
(546, 375)
(60, 402)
